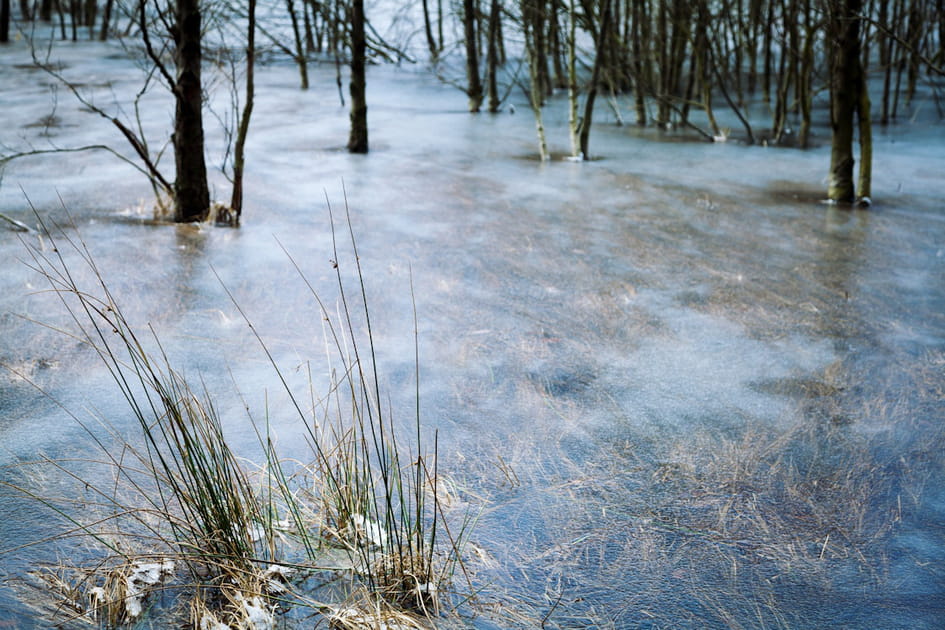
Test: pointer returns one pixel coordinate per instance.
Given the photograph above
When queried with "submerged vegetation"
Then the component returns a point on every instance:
(236, 542)
(673, 389)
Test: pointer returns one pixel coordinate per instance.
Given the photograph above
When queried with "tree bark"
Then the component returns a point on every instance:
(585, 130)
(106, 20)
(864, 184)
(358, 139)
(492, 56)
(474, 84)
(192, 196)
(428, 29)
(535, 95)
(845, 92)
(4, 20)
(299, 49)
(239, 160)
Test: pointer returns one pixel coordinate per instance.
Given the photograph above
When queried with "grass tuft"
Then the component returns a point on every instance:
(236, 545)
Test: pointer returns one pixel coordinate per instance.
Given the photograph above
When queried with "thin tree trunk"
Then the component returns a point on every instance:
(561, 78)
(106, 20)
(535, 87)
(492, 56)
(864, 183)
(4, 21)
(191, 194)
(663, 60)
(75, 13)
(885, 60)
(703, 61)
(89, 15)
(595, 79)
(239, 161)
(805, 94)
(428, 29)
(358, 140)
(846, 92)
(474, 89)
(299, 50)
(573, 122)
(307, 26)
(767, 46)
(439, 21)
(640, 42)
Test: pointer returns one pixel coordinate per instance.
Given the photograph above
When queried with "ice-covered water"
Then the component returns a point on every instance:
(681, 391)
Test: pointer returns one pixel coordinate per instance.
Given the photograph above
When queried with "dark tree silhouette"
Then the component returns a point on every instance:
(358, 139)
(846, 88)
(474, 89)
(191, 194)
(4, 20)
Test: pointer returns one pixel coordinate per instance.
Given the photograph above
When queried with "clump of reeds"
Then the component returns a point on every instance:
(378, 490)
(224, 538)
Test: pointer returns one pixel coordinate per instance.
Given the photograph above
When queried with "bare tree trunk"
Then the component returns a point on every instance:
(106, 20)
(585, 134)
(191, 194)
(573, 122)
(236, 200)
(89, 15)
(703, 72)
(358, 140)
(805, 94)
(4, 21)
(885, 61)
(864, 183)
(299, 50)
(474, 89)
(554, 35)
(75, 14)
(308, 17)
(492, 55)
(535, 87)
(845, 92)
(428, 29)
(767, 46)
(641, 66)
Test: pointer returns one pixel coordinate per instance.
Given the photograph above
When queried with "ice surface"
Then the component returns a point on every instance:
(638, 365)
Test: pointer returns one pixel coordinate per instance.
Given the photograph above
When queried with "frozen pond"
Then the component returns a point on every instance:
(677, 389)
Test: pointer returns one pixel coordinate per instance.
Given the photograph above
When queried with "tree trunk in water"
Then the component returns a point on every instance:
(299, 50)
(236, 200)
(358, 140)
(191, 195)
(595, 80)
(307, 19)
(573, 123)
(474, 89)
(845, 92)
(106, 20)
(864, 184)
(4, 20)
(640, 39)
(428, 29)
(535, 95)
(492, 56)
(805, 95)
